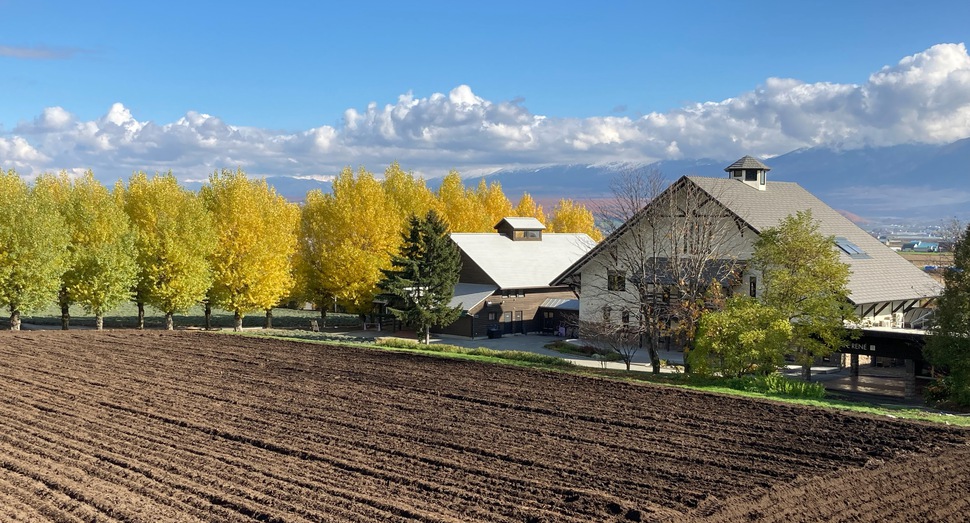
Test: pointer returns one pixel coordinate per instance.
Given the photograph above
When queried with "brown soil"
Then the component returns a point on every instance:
(156, 426)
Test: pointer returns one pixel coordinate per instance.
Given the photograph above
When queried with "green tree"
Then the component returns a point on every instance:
(948, 345)
(33, 247)
(423, 277)
(256, 239)
(102, 269)
(747, 337)
(805, 281)
(174, 242)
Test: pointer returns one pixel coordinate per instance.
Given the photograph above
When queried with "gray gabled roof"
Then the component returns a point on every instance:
(881, 275)
(468, 295)
(748, 162)
(523, 264)
(524, 223)
(561, 304)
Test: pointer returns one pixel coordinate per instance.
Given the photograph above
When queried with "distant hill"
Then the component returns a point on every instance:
(872, 184)
(906, 182)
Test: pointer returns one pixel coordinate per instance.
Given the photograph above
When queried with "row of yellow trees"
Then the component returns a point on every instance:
(235, 245)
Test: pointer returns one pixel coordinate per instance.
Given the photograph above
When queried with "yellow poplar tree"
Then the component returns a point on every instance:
(174, 242)
(409, 195)
(256, 239)
(33, 247)
(528, 207)
(347, 238)
(495, 205)
(101, 270)
(569, 216)
(462, 210)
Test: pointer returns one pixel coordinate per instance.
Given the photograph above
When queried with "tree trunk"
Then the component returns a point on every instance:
(323, 317)
(237, 321)
(627, 361)
(65, 316)
(427, 335)
(807, 372)
(141, 315)
(652, 349)
(169, 322)
(15, 320)
(269, 319)
(99, 321)
(208, 317)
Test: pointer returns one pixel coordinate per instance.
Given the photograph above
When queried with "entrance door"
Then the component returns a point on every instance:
(519, 327)
(507, 322)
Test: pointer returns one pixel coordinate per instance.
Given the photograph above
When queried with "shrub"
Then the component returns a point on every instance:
(776, 384)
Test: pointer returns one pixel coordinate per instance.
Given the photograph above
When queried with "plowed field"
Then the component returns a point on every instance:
(155, 426)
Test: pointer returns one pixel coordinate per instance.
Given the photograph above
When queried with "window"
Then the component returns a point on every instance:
(607, 312)
(762, 177)
(615, 280)
(625, 317)
(505, 293)
(492, 316)
(750, 175)
(853, 250)
(532, 234)
(753, 287)
(520, 293)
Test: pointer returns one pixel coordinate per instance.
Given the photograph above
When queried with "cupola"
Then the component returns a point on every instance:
(750, 171)
(518, 229)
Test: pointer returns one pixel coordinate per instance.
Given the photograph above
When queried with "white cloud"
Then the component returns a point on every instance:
(39, 52)
(923, 98)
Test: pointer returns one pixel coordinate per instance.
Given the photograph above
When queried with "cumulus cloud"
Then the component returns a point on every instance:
(923, 98)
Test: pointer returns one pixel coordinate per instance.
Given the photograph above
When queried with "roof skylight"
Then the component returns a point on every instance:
(853, 250)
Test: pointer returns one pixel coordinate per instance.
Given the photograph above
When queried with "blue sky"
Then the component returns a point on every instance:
(285, 87)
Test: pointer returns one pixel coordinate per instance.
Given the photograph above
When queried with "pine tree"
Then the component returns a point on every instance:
(423, 277)
(948, 345)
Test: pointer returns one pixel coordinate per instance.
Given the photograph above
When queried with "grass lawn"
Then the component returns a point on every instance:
(676, 380)
(126, 317)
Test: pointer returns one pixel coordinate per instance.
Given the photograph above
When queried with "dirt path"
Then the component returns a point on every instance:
(157, 426)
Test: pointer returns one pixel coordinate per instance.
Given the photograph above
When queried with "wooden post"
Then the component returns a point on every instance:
(909, 379)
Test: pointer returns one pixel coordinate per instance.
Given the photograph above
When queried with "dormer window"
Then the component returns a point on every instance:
(521, 229)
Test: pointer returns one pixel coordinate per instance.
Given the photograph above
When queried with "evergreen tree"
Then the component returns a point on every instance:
(423, 277)
(949, 342)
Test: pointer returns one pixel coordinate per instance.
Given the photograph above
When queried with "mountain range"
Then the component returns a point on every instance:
(902, 183)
